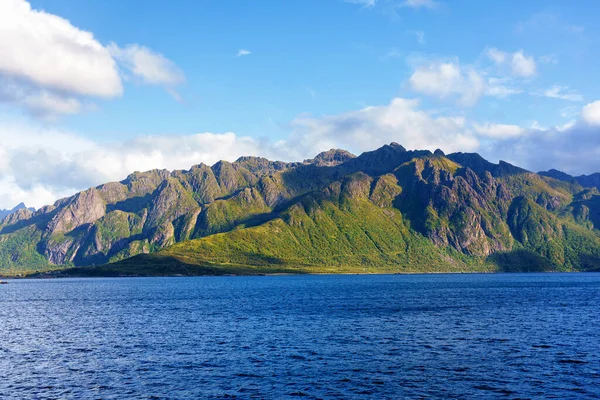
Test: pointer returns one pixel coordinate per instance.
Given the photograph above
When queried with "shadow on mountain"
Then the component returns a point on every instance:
(132, 205)
(521, 261)
(589, 262)
(40, 221)
(146, 265)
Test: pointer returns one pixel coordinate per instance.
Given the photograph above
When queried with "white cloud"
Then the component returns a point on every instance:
(401, 121)
(591, 113)
(523, 65)
(497, 56)
(560, 92)
(451, 80)
(243, 52)
(39, 165)
(431, 4)
(573, 148)
(47, 50)
(498, 131)
(444, 80)
(152, 68)
(47, 63)
(38, 101)
(50, 67)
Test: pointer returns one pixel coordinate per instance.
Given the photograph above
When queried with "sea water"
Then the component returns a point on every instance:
(379, 336)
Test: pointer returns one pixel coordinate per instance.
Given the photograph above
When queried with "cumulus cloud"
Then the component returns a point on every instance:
(523, 65)
(591, 113)
(444, 80)
(497, 56)
(40, 102)
(401, 121)
(502, 78)
(45, 57)
(573, 148)
(50, 67)
(47, 50)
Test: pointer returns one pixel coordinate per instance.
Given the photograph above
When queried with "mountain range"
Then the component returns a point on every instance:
(390, 210)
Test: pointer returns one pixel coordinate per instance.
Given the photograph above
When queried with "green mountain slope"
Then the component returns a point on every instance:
(338, 229)
(389, 210)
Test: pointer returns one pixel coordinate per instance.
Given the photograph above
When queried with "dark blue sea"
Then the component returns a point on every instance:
(377, 336)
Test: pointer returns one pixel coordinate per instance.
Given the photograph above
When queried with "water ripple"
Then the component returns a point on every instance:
(441, 336)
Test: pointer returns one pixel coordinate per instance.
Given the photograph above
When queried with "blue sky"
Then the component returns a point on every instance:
(505, 78)
(323, 57)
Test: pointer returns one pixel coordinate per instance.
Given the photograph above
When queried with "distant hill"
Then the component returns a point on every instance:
(21, 206)
(587, 181)
(388, 210)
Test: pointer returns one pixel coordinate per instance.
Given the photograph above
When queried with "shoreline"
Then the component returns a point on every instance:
(46, 276)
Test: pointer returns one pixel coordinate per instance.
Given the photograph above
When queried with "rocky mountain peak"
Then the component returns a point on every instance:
(331, 158)
(20, 206)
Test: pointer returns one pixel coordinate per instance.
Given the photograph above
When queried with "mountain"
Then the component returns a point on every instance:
(5, 213)
(588, 181)
(387, 210)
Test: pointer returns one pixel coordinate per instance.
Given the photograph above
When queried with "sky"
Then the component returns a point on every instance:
(93, 91)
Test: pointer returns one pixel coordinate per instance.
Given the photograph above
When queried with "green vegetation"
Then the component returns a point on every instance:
(563, 244)
(315, 235)
(386, 211)
(18, 253)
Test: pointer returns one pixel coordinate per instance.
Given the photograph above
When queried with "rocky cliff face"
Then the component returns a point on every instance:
(423, 203)
(143, 213)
